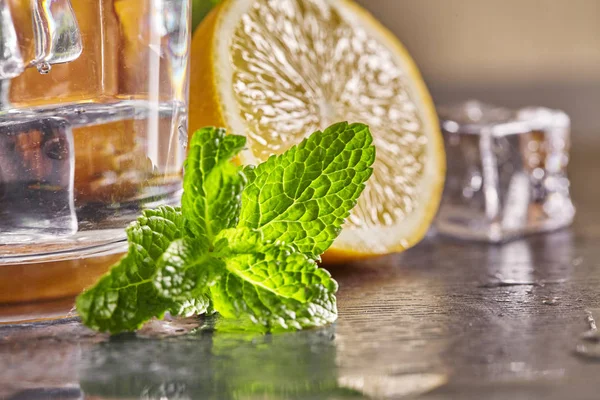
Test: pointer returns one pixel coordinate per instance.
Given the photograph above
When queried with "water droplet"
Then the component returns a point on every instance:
(43, 68)
(591, 321)
(551, 302)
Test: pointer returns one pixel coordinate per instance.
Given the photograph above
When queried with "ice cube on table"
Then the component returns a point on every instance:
(36, 179)
(506, 174)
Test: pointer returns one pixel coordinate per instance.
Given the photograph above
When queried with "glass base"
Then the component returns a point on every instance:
(38, 291)
(29, 313)
(40, 279)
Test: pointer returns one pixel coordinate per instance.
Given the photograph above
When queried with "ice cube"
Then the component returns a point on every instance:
(36, 179)
(78, 39)
(57, 37)
(11, 60)
(506, 172)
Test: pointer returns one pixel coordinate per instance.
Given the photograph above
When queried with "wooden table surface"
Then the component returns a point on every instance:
(435, 322)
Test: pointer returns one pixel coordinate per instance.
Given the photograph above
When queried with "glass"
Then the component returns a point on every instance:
(507, 172)
(93, 124)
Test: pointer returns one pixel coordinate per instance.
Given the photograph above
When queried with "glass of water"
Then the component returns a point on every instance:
(93, 124)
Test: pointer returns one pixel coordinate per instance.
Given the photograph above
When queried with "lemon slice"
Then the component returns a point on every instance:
(277, 70)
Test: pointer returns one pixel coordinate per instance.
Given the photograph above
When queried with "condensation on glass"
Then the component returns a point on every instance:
(507, 172)
(93, 121)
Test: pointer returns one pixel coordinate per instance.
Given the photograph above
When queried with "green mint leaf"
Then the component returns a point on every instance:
(125, 298)
(191, 307)
(186, 270)
(212, 183)
(303, 196)
(272, 284)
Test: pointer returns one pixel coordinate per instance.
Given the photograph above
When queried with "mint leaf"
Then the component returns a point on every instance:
(304, 195)
(186, 270)
(272, 284)
(191, 307)
(125, 298)
(212, 184)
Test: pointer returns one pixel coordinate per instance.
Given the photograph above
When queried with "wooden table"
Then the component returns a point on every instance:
(436, 321)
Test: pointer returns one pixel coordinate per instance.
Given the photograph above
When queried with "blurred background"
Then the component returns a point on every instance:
(510, 52)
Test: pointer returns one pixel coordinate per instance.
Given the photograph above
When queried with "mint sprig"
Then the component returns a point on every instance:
(245, 241)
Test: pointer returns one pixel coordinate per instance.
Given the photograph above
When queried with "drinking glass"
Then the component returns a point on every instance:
(93, 124)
